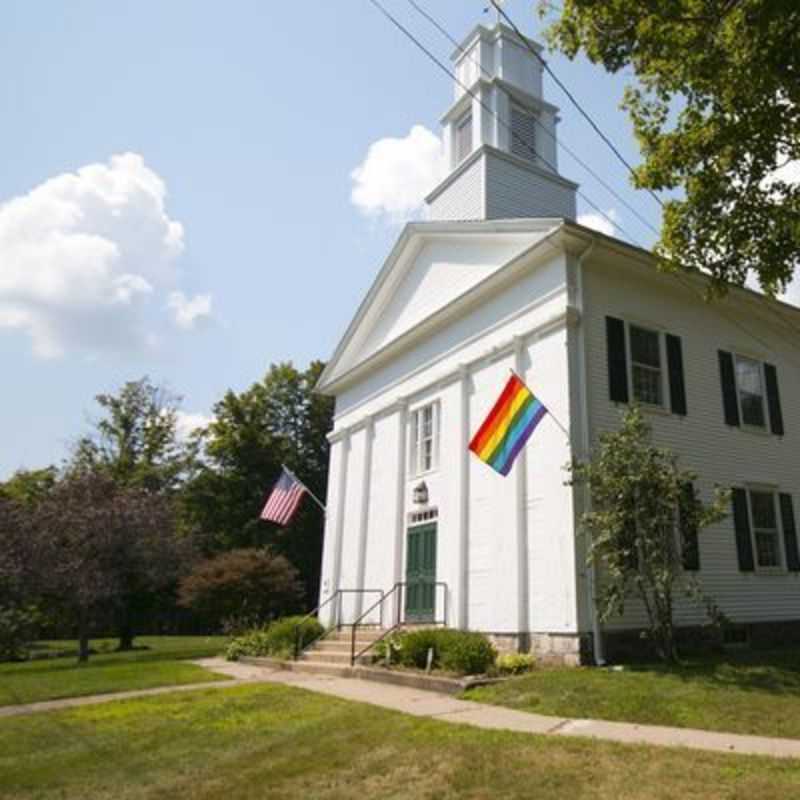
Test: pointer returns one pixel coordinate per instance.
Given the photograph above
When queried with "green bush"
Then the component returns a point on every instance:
(18, 627)
(276, 639)
(515, 663)
(456, 651)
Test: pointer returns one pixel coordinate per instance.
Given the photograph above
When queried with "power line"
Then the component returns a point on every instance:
(443, 67)
(678, 269)
(536, 120)
(502, 13)
(585, 114)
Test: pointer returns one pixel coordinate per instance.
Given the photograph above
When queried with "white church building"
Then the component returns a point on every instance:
(501, 277)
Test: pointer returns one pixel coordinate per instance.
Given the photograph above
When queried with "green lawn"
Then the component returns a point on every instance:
(748, 692)
(278, 742)
(162, 662)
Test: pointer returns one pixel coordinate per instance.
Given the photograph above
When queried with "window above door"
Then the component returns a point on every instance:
(424, 439)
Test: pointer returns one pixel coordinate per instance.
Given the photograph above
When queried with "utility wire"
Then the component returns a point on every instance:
(538, 122)
(678, 269)
(585, 114)
(502, 13)
(444, 68)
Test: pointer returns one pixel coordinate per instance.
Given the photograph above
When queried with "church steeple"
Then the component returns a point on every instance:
(500, 145)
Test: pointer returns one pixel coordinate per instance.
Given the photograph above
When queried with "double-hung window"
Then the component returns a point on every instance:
(425, 439)
(647, 379)
(766, 534)
(750, 386)
(463, 137)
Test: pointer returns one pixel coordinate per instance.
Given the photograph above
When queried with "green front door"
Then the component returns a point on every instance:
(421, 573)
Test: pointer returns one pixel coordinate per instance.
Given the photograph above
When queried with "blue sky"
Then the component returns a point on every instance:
(237, 243)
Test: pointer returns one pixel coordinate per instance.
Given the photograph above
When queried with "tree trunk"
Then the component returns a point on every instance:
(83, 639)
(126, 633)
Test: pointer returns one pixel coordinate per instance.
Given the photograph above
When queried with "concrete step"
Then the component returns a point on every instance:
(317, 657)
(341, 644)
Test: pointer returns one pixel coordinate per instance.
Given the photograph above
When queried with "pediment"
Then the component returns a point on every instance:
(432, 265)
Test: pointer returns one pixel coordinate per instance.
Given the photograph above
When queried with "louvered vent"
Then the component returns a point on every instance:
(523, 133)
(463, 138)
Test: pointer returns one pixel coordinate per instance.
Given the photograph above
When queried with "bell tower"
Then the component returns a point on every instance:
(500, 144)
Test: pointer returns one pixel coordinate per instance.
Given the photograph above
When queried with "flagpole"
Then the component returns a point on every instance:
(312, 495)
(549, 412)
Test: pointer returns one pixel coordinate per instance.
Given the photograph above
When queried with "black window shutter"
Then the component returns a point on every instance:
(617, 360)
(690, 547)
(677, 387)
(789, 533)
(728, 380)
(741, 521)
(773, 400)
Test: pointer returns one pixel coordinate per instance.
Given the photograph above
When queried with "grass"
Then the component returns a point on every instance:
(280, 742)
(161, 661)
(749, 692)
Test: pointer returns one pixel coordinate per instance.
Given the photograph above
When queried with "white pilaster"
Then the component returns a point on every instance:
(366, 479)
(462, 586)
(400, 508)
(521, 470)
(341, 508)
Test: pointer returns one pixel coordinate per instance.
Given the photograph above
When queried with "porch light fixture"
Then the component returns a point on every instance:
(421, 494)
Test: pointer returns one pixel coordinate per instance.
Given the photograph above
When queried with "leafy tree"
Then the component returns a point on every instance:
(277, 420)
(19, 616)
(136, 443)
(136, 440)
(640, 498)
(716, 111)
(29, 486)
(252, 584)
(94, 543)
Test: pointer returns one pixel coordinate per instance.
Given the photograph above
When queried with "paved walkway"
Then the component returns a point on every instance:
(481, 715)
(448, 709)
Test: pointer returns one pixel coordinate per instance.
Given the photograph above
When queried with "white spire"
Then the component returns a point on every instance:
(500, 135)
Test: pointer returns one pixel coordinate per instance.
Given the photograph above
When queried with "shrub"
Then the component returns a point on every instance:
(276, 639)
(18, 627)
(515, 663)
(251, 582)
(464, 652)
(468, 653)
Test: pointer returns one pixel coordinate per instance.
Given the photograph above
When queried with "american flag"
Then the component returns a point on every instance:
(284, 499)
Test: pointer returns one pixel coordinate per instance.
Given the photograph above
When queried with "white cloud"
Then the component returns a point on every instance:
(598, 222)
(85, 254)
(396, 174)
(189, 311)
(186, 423)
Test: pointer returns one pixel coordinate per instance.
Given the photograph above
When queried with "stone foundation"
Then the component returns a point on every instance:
(566, 649)
(630, 645)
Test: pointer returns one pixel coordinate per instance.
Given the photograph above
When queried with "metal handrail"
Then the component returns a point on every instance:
(298, 649)
(398, 623)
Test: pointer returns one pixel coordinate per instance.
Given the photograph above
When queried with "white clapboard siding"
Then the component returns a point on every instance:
(719, 454)
(514, 190)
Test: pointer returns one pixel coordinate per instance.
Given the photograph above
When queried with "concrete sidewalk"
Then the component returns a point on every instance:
(95, 699)
(443, 707)
(449, 709)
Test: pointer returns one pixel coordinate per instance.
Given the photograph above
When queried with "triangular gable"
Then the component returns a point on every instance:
(432, 265)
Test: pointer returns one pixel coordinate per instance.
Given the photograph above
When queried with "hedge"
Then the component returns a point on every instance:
(276, 639)
(464, 652)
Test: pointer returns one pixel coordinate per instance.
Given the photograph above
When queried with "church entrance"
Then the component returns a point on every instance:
(421, 573)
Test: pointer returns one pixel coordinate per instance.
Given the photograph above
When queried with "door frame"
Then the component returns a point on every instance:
(426, 613)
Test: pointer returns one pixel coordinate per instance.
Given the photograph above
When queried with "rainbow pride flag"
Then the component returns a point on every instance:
(509, 425)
